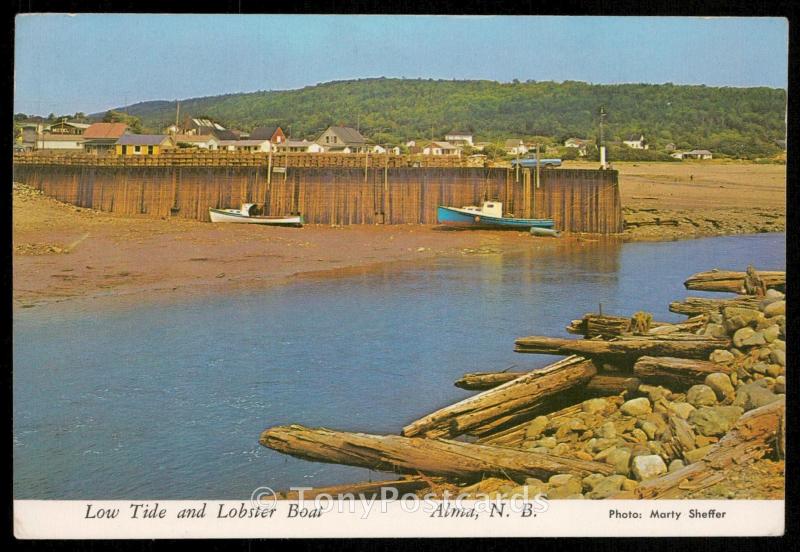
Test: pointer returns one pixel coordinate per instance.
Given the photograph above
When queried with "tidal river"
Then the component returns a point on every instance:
(168, 401)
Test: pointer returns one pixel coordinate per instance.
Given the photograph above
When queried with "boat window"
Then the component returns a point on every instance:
(489, 205)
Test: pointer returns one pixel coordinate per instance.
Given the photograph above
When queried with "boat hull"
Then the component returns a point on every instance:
(223, 215)
(451, 216)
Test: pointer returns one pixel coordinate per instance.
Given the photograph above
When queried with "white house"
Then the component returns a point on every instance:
(301, 146)
(441, 148)
(636, 141)
(202, 141)
(458, 137)
(516, 147)
(69, 142)
(697, 154)
(246, 145)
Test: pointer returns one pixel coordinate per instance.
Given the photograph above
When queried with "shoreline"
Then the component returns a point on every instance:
(65, 254)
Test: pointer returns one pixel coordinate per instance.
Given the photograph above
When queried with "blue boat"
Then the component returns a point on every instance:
(488, 215)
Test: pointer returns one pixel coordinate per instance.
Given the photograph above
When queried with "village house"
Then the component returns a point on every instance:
(202, 141)
(459, 138)
(143, 144)
(68, 127)
(247, 145)
(202, 126)
(515, 147)
(580, 144)
(636, 141)
(101, 138)
(377, 148)
(300, 146)
(670, 147)
(697, 154)
(441, 148)
(343, 140)
(66, 142)
(272, 133)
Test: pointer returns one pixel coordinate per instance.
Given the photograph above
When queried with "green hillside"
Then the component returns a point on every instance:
(732, 121)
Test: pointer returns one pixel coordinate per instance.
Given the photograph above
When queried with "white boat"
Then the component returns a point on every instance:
(246, 215)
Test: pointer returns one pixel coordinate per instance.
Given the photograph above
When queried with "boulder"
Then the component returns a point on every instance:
(771, 333)
(775, 309)
(591, 480)
(680, 409)
(753, 395)
(675, 465)
(607, 430)
(535, 429)
(648, 467)
(715, 330)
(780, 385)
(654, 392)
(748, 316)
(636, 407)
(692, 456)
(778, 356)
(721, 384)
(748, 337)
(721, 356)
(701, 395)
(774, 370)
(715, 420)
(594, 405)
(608, 486)
(620, 458)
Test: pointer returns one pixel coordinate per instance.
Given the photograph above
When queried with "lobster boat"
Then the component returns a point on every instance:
(248, 214)
(488, 215)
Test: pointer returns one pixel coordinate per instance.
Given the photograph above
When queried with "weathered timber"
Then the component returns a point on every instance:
(734, 282)
(528, 394)
(752, 437)
(595, 325)
(693, 306)
(680, 373)
(415, 455)
(625, 347)
(606, 384)
(372, 489)
(486, 380)
(514, 436)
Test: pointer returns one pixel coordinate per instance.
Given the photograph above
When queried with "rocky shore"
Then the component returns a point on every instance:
(650, 224)
(678, 427)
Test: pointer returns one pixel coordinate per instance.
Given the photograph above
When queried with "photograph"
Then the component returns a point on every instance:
(398, 275)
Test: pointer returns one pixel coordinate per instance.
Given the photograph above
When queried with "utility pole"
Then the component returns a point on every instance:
(602, 138)
(177, 113)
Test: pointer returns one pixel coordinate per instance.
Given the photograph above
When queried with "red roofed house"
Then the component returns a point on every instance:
(100, 138)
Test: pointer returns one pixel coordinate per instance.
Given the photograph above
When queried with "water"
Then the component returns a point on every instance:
(168, 402)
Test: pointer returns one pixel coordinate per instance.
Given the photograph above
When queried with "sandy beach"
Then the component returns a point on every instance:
(63, 252)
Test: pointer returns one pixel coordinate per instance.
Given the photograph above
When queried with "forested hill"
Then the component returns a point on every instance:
(725, 120)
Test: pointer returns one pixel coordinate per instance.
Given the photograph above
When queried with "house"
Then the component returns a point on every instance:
(173, 129)
(143, 144)
(101, 138)
(377, 148)
(68, 127)
(68, 142)
(516, 147)
(670, 147)
(247, 145)
(581, 144)
(676, 155)
(202, 141)
(301, 146)
(343, 140)
(272, 133)
(697, 154)
(459, 137)
(636, 141)
(441, 148)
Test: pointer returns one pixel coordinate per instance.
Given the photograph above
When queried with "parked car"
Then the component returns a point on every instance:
(530, 162)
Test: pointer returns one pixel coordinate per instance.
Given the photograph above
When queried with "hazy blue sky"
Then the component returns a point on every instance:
(93, 62)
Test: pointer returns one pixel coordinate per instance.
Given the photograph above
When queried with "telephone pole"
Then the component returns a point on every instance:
(602, 138)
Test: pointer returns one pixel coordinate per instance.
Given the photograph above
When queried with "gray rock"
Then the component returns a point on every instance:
(780, 385)
(620, 458)
(753, 395)
(721, 384)
(636, 407)
(653, 392)
(680, 409)
(774, 294)
(716, 420)
(748, 316)
(607, 431)
(775, 309)
(593, 479)
(715, 330)
(701, 395)
(721, 356)
(741, 334)
(756, 338)
(608, 486)
(675, 465)
(648, 467)
(774, 370)
(594, 405)
(778, 344)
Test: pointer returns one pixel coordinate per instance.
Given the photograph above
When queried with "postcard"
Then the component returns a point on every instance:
(398, 276)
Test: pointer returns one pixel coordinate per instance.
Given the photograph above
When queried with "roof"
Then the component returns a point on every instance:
(348, 135)
(194, 137)
(208, 123)
(513, 143)
(242, 142)
(443, 145)
(142, 139)
(224, 134)
(298, 143)
(105, 130)
(263, 132)
(70, 123)
(698, 152)
(635, 137)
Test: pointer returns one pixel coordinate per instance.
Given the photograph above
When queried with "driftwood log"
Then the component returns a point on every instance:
(693, 306)
(734, 282)
(607, 384)
(512, 402)
(751, 438)
(687, 346)
(431, 457)
(680, 373)
(481, 381)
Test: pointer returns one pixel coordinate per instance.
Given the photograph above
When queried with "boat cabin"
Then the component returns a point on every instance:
(488, 208)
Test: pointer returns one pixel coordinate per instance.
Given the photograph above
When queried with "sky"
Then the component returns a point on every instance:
(92, 62)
